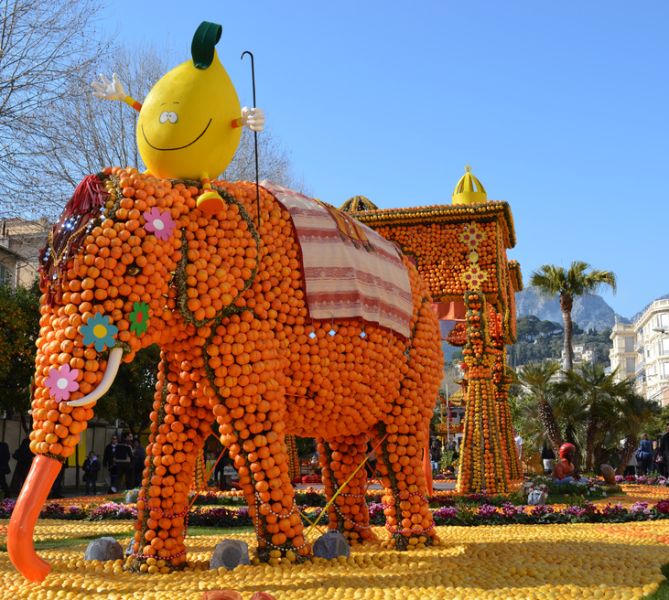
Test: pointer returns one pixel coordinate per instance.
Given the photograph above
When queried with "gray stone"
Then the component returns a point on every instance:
(331, 545)
(537, 497)
(104, 548)
(608, 473)
(230, 554)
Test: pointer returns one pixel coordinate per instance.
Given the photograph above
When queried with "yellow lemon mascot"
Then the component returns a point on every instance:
(190, 122)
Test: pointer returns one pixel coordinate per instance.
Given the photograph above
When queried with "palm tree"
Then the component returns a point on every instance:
(569, 284)
(601, 395)
(536, 379)
(571, 415)
(527, 422)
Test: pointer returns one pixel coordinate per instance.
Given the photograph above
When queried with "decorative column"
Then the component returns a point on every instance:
(503, 380)
(293, 458)
(199, 483)
(481, 463)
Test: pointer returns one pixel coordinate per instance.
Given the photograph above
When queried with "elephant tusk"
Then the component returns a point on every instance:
(113, 365)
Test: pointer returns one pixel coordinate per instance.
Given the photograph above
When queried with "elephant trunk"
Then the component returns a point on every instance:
(43, 473)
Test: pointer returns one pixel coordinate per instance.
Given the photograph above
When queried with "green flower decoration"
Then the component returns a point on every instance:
(139, 318)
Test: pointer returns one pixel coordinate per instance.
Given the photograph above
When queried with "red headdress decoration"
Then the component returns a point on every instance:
(69, 232)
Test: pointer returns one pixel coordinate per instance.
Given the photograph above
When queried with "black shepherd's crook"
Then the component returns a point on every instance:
(255, 133)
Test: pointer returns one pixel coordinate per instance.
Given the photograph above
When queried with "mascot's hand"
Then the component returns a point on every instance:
(109, 90)
(253, 118)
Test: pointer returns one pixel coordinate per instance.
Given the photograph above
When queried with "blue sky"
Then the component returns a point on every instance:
(561, 109)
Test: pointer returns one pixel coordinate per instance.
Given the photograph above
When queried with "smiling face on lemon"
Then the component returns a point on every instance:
(184, 129)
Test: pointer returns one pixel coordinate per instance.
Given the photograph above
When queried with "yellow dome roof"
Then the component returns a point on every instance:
(469, 189)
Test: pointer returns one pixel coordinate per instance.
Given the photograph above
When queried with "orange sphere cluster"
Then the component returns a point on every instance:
(225, 299)
(443, 254)
(118, 266)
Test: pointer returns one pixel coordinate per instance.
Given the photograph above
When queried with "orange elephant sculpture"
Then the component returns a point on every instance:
(133, 262)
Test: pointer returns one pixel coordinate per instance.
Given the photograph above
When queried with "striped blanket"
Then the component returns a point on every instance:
(350, 271)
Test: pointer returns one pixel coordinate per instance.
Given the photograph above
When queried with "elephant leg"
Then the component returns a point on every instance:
(408, 516)
(261, 461)
(339, 458)
(180, 423)
(404, 436)
(250, 414)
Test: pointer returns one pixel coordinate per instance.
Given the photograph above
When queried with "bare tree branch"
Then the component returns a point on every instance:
(53, 131)
(274, 161)
(43, 47)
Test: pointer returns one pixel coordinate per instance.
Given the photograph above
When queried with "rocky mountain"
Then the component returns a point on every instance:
(637, 315)
(540, 340)
(589, 312)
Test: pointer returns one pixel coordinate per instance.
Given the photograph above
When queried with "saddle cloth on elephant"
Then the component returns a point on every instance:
(350, 271)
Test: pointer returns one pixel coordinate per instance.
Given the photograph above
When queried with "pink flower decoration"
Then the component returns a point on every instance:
(160, 223)
(61, 382)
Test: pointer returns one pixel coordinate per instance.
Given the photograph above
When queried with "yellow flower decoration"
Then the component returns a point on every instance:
(474, 277)
(472, 235)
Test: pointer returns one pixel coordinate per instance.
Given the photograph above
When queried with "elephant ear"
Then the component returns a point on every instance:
(219, 263)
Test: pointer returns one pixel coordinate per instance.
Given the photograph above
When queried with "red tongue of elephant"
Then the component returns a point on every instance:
(43, 473)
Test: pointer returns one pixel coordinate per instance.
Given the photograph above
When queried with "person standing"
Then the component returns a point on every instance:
(518, 441)
(663, 453)
(632, 465)
(548, 458)
(24, 459)
(644, 455)
(219, 476)
(655, 463)
(91, 469)
(4, 468)
(138, 458)
(435, 454)
(109, 463)
(57, 487)
(123, 461)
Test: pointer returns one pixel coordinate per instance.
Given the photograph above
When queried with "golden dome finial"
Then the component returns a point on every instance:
(358, 204)
(469, 189)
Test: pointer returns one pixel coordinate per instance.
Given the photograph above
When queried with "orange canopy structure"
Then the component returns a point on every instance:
(460, 251)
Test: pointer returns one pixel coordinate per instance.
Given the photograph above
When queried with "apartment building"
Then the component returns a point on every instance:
(623, 354)
(641, 350)
(581, 356)
(20, 243)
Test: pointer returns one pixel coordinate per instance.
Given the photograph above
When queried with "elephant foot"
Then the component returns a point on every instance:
(360, 535)
(400, 541)
(152, 565)
(278, 556)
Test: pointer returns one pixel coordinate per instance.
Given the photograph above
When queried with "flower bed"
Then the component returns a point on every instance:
(462, 513)
(643, 479)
